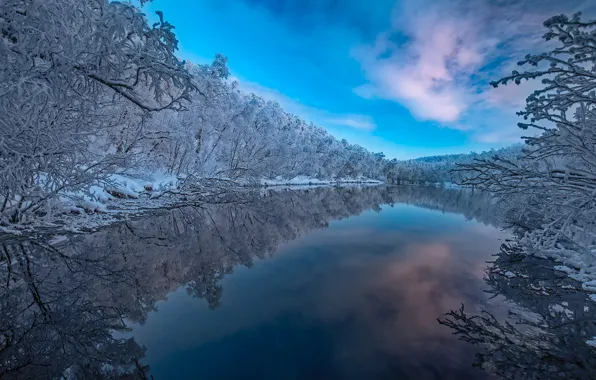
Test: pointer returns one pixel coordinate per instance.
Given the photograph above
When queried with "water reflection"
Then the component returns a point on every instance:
(58, 309)
(356, 300)
(550, 321)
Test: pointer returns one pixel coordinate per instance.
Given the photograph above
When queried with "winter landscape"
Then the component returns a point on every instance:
(398, 190)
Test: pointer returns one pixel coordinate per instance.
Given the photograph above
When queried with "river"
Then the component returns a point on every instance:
(318, 283)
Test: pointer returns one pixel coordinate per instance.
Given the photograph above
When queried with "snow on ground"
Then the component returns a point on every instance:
(590, 286)
(7, 230)
(121, 196)
(510, 274)
(121, 186)
(101, 204)
(95, 198)
(563, 268)
(560, 309)
(451, 185)
(581, 272)
(58, 239)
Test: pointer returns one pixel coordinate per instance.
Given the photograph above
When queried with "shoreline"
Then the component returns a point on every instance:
(119, 209)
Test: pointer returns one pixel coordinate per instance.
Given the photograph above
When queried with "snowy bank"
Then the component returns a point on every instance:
(121, 196)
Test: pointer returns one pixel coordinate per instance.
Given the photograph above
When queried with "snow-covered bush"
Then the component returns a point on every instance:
(72, 73)
(551, 190)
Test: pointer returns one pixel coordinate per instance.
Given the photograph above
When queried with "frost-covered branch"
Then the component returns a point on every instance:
(555, 179)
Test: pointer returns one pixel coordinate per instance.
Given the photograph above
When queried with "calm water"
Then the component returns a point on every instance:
(321, 284)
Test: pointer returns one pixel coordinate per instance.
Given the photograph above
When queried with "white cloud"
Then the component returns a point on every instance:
(511, 96)
(504, 135)
(440, 55)
(312, 114)
(428, 72)
(364, 123)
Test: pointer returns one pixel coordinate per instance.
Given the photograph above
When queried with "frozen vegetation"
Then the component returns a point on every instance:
(96, 106)
(549, 192)
(549, 334)
(99, 116)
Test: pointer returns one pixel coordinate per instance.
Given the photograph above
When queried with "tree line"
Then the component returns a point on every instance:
(89, 89)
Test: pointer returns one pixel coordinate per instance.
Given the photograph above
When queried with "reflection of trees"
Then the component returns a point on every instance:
(59, 305)
(198, 245)
(53, 317)
(552, 318)
(471, 204)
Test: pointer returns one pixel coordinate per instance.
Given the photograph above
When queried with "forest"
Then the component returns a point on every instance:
(97, 106)
(98, 115)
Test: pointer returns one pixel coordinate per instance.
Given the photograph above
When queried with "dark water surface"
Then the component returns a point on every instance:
(329, 283)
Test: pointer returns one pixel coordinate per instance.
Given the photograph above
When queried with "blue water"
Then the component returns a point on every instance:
(357, 300)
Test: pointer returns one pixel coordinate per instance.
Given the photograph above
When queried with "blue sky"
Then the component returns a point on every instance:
(405, 77)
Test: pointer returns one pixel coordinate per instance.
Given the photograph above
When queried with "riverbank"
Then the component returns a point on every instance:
(122, 197)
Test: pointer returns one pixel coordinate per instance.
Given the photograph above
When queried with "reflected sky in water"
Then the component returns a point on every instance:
(359, 299)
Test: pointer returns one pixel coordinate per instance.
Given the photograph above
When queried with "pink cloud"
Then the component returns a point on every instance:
(425, 74)
(447, 55)
(511, 96)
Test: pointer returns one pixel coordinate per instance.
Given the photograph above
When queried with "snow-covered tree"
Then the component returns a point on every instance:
(71, 73)
(89, 89)
(551, 189)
